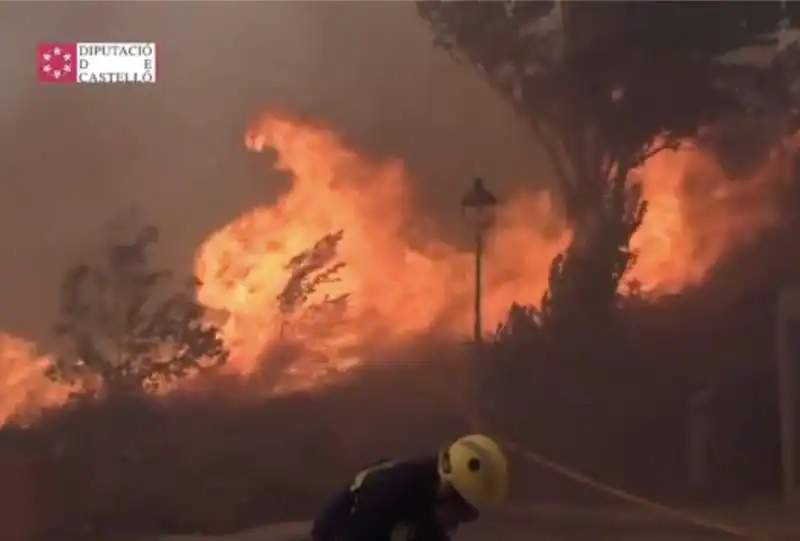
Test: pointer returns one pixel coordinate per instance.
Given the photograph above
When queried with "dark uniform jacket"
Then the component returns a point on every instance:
(383, 497)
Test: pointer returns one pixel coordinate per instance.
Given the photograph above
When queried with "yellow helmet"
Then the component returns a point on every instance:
(477, 468)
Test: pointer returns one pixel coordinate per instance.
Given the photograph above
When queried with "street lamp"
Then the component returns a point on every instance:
(478, 206)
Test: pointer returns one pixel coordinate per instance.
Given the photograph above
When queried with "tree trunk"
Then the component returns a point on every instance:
(585, 279)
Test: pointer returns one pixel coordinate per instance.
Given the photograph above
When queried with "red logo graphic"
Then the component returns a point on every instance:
(56, 62)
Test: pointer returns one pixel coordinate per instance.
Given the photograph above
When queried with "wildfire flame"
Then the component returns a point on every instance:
(398, 281)
(403, 282)
(26, 389)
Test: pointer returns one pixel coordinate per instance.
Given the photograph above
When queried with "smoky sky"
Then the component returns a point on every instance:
(73, 156)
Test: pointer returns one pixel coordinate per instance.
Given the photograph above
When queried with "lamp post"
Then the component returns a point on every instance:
(478, 205)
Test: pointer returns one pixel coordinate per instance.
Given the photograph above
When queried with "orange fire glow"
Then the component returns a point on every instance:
(26, 388)
(401, 280)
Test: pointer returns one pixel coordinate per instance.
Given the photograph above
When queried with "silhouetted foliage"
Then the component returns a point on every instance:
(596, 271)
(522, 322)
(603, 86)
(309, 313)
(310, 271)
(600, 84)
(122, 327)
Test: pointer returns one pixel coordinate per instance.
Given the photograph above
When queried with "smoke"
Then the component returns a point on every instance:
(73, 156)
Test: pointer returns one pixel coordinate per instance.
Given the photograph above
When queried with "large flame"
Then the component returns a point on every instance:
(403, 282)
(26, 388)
(696, 215)
(400, 280)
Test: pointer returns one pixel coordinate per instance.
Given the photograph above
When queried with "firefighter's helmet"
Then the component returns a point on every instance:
(477, 469)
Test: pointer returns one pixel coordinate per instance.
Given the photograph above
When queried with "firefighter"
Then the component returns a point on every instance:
(425, 498)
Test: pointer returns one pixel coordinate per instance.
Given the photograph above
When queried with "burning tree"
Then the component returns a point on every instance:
(309, 316)
(124, 330)
(309, 272)
(603, 86)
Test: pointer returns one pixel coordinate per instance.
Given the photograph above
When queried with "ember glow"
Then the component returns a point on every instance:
(26, 389)
(398, 281)
(403, 282)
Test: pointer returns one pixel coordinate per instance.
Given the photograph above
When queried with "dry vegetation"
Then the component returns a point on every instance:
(224, 458)
(210, 463)
(207, 463)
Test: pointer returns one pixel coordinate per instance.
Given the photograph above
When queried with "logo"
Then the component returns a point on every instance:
(56, 62)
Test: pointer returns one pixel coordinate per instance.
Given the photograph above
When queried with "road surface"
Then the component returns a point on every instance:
(517, 529)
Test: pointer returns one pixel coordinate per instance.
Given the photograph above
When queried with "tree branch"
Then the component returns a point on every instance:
(676, 144)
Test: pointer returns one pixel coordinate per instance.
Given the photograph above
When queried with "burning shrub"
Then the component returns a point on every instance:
(124, 330)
